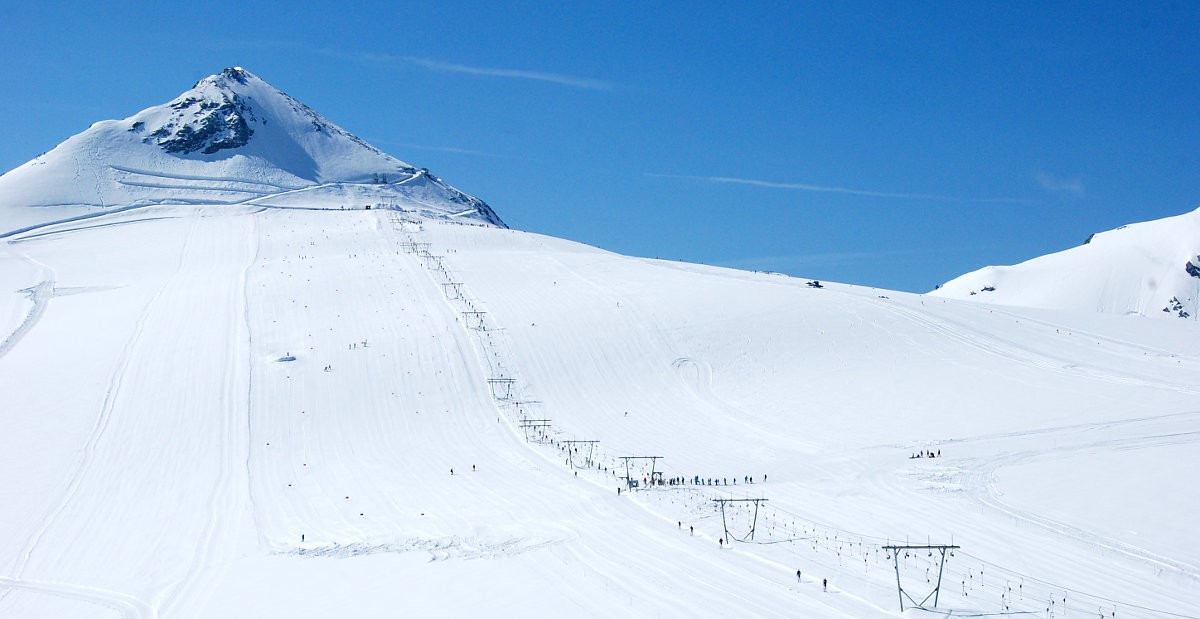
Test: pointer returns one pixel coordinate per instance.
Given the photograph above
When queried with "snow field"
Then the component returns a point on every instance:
(1140, 268)
(170, 463)
(952, 357)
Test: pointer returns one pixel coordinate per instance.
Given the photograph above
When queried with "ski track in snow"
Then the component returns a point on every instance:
(997, 346)
(102, 422)
(697, 375)
(25, 238)
(979, 482)
(191, 187)
(125, 606)
(214, 543)
(493, 361)
(974, 476)
(192, 177)
(39, 295)
(292, 440)
(85, 463)
(104, 213)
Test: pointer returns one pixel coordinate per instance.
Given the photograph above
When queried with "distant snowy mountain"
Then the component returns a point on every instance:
(231, 139)
(1150, 268)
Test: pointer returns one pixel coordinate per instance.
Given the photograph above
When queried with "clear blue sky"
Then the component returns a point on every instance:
(887, 144)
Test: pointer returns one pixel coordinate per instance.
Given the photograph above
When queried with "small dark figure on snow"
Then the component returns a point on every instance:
(825, 584)
(798, 576)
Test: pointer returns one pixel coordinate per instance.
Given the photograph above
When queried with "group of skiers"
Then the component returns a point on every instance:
(658, 480)
(926, 453)
(713, 481)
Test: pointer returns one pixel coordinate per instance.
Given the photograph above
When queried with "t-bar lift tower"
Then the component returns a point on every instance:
(895, 551)
(631, 482)
(753, 523)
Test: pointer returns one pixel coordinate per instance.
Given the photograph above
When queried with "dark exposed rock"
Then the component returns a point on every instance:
(214, 126)
(235, 73)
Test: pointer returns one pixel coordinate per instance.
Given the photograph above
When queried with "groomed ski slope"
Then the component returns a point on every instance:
(163, 459)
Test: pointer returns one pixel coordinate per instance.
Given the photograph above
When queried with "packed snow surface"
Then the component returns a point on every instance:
(262, 410)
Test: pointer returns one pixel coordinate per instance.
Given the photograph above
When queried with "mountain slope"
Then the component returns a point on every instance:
(230, 390)
(1150, 268)
(254, 412)
(232, 138)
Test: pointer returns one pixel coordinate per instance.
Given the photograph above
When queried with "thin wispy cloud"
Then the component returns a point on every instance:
(1054, 184)
(828, 189)
(451, 67)
(554, 78)
(431, 64)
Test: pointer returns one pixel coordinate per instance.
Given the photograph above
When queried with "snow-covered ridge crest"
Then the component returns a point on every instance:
(1150, 268)
(230, 139)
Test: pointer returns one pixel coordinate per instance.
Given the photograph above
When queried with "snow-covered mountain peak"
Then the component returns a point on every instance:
(1150, 268)
(225, 111)
(231, 138)
(238, 74)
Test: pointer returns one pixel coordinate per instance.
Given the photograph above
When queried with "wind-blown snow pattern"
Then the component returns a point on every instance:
(231, 139)
(296, 407)
(1149, 269)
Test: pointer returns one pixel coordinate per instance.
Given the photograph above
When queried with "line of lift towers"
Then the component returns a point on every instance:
(536, 430)
(502, 390)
